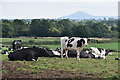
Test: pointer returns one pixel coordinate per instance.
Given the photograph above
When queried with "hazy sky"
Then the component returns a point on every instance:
(22, 9)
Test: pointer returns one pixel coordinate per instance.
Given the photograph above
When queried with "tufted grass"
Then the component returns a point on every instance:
(103, 68)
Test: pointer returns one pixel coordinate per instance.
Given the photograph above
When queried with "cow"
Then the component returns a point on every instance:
(28, 54)
(99, 52)
(31, 54)
(93, 52)
(72, 44)
(84, 53)
(117, 58)
(23, 47)
(4, 52)
(16, 44)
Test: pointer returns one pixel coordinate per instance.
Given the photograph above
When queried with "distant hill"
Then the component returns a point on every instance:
(84, 15)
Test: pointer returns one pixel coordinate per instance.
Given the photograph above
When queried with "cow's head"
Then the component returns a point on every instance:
(108, 52)
(82, 42)
(17, 42)
(85, 41)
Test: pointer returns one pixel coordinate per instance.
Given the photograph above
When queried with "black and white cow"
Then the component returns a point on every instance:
(16, 44)
(31, 54)
(73, 44)
(93, 52)
(117, 58)
(4, 52)
(83, 53)
(99, 52)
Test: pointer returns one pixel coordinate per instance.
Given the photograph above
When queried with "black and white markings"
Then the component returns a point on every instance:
(73, 43)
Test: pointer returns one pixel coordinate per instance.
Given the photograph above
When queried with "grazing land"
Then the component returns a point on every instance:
(55, 67)
(54, 42)
(88, 68)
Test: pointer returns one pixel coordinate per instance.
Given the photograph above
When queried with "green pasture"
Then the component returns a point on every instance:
(112, 46)
(27, 39)
(55, 43)
(102, 68)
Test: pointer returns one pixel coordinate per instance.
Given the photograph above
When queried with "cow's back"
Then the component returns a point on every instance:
(23, 54)
(70, 43)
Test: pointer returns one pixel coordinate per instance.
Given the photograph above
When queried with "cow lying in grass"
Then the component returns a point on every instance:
(4, 52)
(117, 58)
(98, 53)
(83, 53)
(31, 54)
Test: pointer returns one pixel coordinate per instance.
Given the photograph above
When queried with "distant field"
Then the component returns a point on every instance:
(112, 46)
(30, 41)
(55, 43)
(27, 39)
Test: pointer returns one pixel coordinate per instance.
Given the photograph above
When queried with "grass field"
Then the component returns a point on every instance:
(112, 46)
(26, 39)
(55, 43)
(92, 67)
(102, 68)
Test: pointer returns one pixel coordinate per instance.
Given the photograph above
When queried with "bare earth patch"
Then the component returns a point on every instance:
(12, 70)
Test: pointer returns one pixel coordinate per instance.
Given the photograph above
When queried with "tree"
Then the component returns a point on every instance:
(39, 27)
(19, 27)
(7, 30)
(54, 32)
(81, 31)
(66, 27)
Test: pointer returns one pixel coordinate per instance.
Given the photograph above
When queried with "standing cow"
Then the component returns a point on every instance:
(73, 44)
(16, 45)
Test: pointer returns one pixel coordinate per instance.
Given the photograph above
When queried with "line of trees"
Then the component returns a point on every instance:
(57, 28)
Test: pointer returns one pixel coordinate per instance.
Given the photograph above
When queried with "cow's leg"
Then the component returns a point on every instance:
(62, 53)
(66, 53)
(78, 54)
